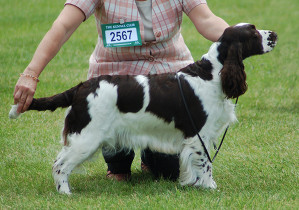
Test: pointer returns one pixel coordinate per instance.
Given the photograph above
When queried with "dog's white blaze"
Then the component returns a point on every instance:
(241, 24)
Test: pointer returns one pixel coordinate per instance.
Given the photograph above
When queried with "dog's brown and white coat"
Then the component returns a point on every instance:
(147, 110)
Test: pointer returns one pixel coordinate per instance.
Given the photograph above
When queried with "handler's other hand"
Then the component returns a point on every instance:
(24, 92)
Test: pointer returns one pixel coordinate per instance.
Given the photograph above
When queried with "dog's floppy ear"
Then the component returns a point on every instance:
(233, 76)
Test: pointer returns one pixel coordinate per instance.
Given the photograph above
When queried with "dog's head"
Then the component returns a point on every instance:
(237, 43)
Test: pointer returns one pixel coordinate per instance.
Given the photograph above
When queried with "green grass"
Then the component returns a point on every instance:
(257, 167)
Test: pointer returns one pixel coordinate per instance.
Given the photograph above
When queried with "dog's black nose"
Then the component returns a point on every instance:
(272, 37)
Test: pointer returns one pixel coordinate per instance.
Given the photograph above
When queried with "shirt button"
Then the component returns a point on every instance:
(121, 21)
(158, 34)
(151, 59)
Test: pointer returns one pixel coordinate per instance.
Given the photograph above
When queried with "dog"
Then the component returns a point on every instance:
(147, 111)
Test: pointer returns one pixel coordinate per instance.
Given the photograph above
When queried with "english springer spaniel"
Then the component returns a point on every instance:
(147, 111)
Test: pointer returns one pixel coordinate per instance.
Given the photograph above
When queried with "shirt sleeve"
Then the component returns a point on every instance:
(188, 5)
(86, 6)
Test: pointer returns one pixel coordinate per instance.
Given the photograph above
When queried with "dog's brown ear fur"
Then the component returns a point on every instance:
(233, 76)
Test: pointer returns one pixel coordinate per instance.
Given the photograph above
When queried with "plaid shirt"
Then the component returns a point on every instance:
(167, 54)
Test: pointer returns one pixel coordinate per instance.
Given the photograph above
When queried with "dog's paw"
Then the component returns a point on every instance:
(206, 182)
(62, 185)
(13, 114)
(63, 188)
(210, 184)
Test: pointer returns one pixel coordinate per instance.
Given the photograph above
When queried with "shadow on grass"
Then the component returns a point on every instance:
(140, 183)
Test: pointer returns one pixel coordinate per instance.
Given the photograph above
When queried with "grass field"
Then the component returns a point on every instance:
(257, 167)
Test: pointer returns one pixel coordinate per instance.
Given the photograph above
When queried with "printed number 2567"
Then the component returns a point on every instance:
(120, 36)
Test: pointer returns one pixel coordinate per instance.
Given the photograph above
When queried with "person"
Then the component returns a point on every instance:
(160, 48)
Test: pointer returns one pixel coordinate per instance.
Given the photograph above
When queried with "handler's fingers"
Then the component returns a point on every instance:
(27, 103)
(14, 93)
(16, 96)
(21, 103)
(24, 92)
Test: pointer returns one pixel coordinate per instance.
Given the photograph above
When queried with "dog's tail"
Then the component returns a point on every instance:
(62, 100)
(51, 103)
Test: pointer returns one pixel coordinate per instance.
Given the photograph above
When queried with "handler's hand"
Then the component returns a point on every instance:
(24, 92)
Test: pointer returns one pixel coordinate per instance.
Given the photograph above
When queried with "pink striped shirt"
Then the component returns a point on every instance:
(167, 54)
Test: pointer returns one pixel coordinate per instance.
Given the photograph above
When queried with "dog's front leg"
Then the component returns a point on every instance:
(195, 168)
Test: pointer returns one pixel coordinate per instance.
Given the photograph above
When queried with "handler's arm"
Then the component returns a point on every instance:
(206, 23)
(63, 27)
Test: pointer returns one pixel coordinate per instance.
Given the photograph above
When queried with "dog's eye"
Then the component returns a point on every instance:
(256, 35)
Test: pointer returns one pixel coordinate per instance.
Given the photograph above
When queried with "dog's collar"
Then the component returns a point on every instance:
(194, 126)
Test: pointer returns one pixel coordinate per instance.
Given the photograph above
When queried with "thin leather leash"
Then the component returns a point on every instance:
(194, 126)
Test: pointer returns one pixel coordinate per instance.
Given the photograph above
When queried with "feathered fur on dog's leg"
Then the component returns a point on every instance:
(195, 169)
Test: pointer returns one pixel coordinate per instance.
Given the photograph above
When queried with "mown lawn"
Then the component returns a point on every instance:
(257, 167)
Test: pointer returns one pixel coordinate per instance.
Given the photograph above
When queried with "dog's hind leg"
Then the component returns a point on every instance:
(195, 168)
(61, 171)
(80, 149)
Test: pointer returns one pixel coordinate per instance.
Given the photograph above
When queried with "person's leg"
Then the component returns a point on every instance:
(119, 163)
(160, 164)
